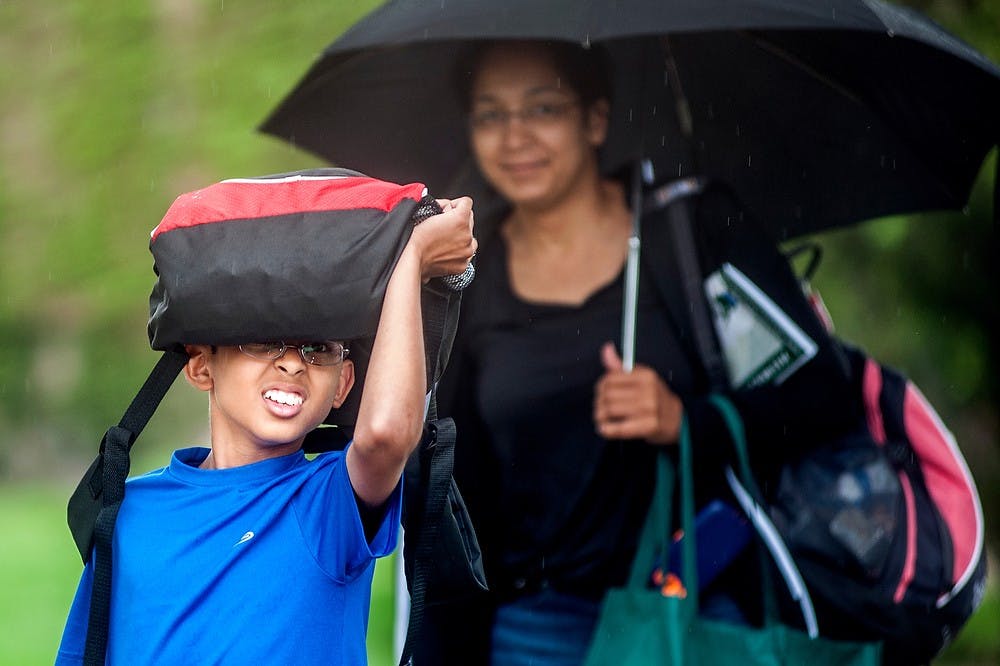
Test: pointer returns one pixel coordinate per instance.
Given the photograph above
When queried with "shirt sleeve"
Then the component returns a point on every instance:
(74, 638)
(331, 521)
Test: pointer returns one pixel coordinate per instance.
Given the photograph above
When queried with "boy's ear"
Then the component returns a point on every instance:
(346, 381)
(196, 372)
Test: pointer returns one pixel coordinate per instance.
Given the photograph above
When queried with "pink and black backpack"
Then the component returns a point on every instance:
(884, 525)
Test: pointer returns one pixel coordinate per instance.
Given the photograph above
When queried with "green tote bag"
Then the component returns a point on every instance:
(640, 626)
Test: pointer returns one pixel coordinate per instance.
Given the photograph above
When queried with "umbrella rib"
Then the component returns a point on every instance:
(779, 52)
(680, 98)
(775, 50)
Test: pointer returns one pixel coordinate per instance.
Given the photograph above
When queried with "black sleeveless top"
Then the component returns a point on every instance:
(555, 504)
(552, 501)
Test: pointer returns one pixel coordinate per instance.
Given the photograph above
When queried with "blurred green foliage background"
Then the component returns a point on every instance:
(109, 110)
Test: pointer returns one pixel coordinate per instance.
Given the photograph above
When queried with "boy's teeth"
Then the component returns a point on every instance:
(283, 398)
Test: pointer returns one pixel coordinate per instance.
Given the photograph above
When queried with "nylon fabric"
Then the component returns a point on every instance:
(247, 199)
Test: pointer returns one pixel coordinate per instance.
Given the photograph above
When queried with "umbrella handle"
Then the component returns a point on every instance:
(642, 172)
(630, 303)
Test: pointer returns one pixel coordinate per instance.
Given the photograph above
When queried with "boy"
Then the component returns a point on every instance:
(247, 552)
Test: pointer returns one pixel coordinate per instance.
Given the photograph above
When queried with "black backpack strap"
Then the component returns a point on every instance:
(434, 462)
(440, 309)
(677, 200)
(93, 508)
(440, 462)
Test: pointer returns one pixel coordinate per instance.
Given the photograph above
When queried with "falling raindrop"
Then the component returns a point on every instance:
(966, 211)
(748, 160)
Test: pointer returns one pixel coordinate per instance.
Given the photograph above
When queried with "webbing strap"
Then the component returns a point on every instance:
(440, 313)
(441, 462)
(93, 508)
(679, 214)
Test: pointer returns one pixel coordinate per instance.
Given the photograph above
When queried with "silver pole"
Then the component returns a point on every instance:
(630, 300)
(642, 173)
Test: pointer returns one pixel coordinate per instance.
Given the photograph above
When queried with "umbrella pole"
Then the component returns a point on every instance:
(631, 294)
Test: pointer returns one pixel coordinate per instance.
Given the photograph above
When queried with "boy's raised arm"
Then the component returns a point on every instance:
(391, 414)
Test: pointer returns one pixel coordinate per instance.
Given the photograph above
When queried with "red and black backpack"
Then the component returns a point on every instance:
(294, 256)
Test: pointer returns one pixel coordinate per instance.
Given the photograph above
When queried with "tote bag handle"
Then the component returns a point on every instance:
(656, 535)
(770, 543)
(655, 538)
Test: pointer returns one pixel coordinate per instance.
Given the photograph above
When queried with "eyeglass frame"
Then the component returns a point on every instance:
(531, 115)
(284, 347)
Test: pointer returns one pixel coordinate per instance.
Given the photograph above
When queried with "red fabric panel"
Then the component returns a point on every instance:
(270, 197)
(948, 480)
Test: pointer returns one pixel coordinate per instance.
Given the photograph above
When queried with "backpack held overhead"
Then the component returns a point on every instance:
(260, 259)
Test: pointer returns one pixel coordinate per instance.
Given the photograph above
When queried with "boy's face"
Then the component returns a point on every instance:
(264, 408)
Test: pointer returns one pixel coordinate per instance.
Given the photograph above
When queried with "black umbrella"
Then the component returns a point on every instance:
(819, 113)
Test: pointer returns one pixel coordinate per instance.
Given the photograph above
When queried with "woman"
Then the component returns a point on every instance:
(556, 442)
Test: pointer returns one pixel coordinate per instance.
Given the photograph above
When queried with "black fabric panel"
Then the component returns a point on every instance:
(308, 276)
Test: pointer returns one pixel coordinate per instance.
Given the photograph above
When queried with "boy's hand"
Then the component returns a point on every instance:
(444, 244)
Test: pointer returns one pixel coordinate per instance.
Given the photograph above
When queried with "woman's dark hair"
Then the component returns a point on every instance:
(585, 70)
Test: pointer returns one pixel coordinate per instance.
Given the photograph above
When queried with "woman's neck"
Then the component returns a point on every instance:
(564, 253)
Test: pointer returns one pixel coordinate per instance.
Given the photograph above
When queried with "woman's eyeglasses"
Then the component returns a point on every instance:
(313, 353)
(540, 115)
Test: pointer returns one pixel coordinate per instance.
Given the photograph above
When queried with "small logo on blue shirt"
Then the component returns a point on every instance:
(243, 539)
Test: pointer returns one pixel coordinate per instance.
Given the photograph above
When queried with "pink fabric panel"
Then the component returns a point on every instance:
(910, 564)
(948, 480)
(872, 389)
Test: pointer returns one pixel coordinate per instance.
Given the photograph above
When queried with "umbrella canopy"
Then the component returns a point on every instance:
(819, 113)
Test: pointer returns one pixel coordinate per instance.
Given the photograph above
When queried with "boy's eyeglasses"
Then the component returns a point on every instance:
(535, 116)
(313, 353)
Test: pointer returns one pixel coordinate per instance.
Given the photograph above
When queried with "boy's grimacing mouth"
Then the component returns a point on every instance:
(283, 397)
(283, 403)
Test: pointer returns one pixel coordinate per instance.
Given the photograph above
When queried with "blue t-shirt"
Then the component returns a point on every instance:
(265, 563)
